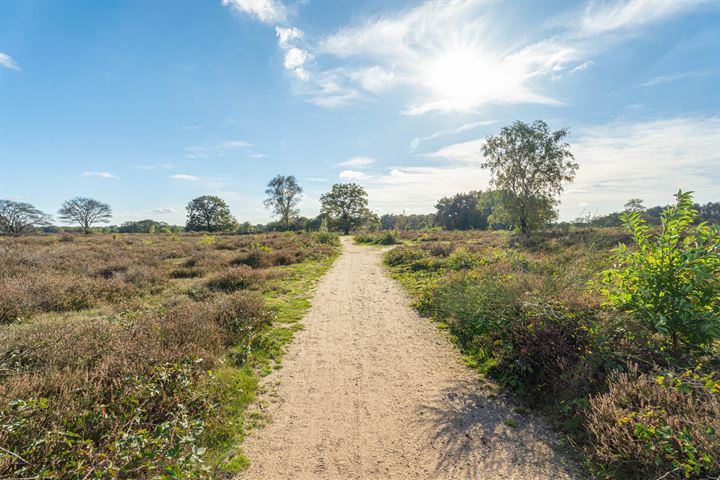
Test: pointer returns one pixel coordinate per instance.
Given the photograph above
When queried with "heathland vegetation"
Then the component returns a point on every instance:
(135, 356)
(134, 352)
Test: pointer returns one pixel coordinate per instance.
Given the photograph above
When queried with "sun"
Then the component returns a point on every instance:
(463, 76)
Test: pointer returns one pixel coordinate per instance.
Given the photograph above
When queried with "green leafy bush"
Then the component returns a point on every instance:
(671, 280)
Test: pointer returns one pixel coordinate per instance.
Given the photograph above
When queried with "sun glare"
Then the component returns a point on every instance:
(459, 77)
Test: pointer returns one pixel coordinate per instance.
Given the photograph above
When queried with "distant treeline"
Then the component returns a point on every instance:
(464, 211)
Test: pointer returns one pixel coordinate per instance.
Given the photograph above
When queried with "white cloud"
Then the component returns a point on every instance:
(651, 160)
(356, 162)
(287, 35)
(582, 66)
(8, 62)
(156, 166)
(453, 56)
(352, 175)
(462, 128)
(219, 150)
(316, 179)
(183, 176)
(295, 57)
(465, 152)
(660, 79)
(267, 11)
(99, 174)
(256, 155)
(164, 211)
(601, 17)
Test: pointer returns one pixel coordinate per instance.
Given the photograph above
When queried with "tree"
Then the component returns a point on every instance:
(669, 281)
(19, 217)
(85, 212)
(460, 212)
(209, 214)
(284, 195)
(530, 163)
(345, 206)
(634, 205)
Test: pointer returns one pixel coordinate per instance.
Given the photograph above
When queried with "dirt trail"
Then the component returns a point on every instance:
(371, 391)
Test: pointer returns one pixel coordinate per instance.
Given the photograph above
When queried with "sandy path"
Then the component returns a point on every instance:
(370, 390)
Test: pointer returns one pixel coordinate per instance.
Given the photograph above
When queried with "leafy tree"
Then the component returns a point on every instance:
(19, 217)
(85, 211)
(460, 212)
(670, 281)
(493, 207)
(284, 195)
(209, 214)
(147, 226)
(530, 164)
(414, 221)
(634, 205)
(345, 206)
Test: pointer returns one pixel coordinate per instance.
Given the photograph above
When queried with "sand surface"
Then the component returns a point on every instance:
(369, 390)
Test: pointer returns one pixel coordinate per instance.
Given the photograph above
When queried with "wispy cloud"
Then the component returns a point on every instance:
(465, 152)
(185, 177)
(100, 174)
(451, 56)
(352, 175)
(452, 131)
(356, 162)
(650, 160)
(154, 166)
(601, 17)
(267, 11)
(660, 79)
(316, 179)
(218, 150)
(7, 61)
(164, 211)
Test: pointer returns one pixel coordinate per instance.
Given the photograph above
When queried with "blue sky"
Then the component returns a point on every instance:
(146, 105)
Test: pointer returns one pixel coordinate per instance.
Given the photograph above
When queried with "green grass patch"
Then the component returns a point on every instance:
(288, 298)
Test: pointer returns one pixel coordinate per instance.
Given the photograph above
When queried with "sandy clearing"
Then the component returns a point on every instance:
(372, 391)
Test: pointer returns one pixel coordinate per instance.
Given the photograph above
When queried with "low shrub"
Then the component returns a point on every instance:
(236, 278)
(657, 426)
(404, 255)
(387, 237)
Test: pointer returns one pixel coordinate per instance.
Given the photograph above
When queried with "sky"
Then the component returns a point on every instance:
(145, 105)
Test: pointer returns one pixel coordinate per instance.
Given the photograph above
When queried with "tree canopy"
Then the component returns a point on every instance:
(19, 217)
(530, 164)
(209, 214)
(345, 206)
(85, 212)
(283, 196)
(460, 212)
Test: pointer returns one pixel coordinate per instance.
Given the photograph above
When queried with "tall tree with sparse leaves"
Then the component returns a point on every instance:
(345, 206)
(209, 214)
(17, 218)
(284, 195)
(85, 212)
(530, 164)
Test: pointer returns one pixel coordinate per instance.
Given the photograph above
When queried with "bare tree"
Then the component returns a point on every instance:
(284, 195)
(19, 217)
(85, 211)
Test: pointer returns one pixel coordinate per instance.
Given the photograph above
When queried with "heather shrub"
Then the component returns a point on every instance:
(236, 278)
(655, 425)
(403, 255)
(387, 237)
